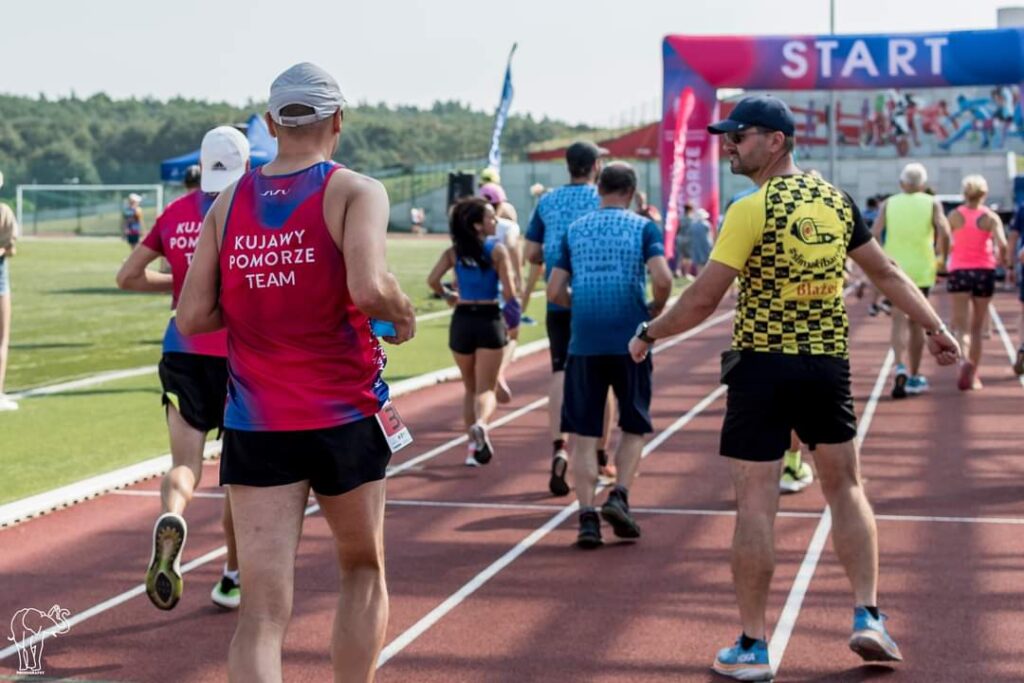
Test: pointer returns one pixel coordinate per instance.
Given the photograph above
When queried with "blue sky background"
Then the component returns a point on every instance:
(587, 61)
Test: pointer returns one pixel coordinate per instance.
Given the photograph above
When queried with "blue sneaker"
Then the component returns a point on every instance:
(744, 665)
(870, 639)
(918, 384)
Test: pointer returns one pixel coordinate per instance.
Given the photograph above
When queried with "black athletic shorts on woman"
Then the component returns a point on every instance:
(773, 393)
(587, 379)
(980, 282)
(196, 386)
(476, 326)
(334, 460)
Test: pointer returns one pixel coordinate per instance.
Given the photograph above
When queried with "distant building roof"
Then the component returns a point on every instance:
(629, 143)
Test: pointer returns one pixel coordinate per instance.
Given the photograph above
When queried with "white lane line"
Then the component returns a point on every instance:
(950, 520)
(91, 380)
(219, 552)
(453, 601)
(685, 512)
(694, 512)
(467, 505)
(791, 610)
(1007, 342)
(155, 493)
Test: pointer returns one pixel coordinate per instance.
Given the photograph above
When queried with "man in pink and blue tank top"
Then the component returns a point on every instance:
(193, 368)
(292, 261)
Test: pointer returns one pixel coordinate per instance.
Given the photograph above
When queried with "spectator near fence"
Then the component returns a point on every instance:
(8, 232)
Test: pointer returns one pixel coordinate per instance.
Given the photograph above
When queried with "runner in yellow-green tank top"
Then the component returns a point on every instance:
(910, 235)
(912, 221)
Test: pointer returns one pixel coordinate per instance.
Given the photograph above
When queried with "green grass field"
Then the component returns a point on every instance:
(70, 321)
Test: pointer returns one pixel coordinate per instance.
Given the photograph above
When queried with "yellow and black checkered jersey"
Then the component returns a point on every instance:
(789, 241)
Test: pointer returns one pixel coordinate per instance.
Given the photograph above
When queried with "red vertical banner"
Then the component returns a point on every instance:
(683, 109)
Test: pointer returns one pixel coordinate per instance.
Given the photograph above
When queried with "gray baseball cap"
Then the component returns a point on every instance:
(306, 84)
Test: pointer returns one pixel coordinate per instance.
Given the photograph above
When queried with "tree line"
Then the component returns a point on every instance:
(103, 140)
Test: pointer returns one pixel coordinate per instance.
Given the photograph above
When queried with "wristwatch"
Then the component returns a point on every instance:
(938, 330)
(641, 333)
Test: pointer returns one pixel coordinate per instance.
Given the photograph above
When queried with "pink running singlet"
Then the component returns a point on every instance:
(972, 246)
(174, 236)
(300, 354)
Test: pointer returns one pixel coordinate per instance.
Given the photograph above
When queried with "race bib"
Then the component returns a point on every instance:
(395, 431)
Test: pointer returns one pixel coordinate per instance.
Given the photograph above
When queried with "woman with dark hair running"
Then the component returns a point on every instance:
(479, 328)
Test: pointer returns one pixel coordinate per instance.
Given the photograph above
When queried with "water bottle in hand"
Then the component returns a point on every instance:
(383, 328)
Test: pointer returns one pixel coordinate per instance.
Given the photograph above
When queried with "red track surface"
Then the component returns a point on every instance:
(653, 611)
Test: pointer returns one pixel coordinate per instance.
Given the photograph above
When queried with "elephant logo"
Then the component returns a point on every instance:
(29, 630)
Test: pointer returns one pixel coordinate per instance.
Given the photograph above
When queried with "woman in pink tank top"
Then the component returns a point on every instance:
(977, 232)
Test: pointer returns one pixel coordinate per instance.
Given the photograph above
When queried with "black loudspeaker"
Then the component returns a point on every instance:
(460, 184)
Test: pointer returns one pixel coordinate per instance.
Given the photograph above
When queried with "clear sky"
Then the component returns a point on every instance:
(583, 61)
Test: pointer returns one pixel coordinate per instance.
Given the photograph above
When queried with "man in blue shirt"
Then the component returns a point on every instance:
(554, 212)
(604, 257)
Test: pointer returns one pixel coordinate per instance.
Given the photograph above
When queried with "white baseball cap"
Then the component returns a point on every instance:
(305, 84)
(223, 156)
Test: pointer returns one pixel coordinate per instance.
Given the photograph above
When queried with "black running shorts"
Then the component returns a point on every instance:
(196, 386)
(587, 379)
(980, 282)
(335, 460)
(559, 324)
(771, 394)
(476, 326)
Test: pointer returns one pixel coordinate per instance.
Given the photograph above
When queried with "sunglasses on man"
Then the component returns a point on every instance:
(737, 137)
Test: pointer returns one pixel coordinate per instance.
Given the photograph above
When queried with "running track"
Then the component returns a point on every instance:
(486, 586)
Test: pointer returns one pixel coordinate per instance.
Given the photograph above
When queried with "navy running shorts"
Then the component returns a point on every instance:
(334, 460)
(771, 394)
(559, 324)
(196, 386)
(587, 379)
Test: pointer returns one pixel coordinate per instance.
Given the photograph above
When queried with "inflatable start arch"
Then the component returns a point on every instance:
(696, 66)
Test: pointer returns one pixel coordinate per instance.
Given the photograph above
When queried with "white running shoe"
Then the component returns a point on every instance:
(471, 460)
(484, 451)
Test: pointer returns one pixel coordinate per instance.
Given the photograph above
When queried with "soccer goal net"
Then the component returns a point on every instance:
(93, 210)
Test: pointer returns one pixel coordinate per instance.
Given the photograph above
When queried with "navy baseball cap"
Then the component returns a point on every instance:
(760, 111)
